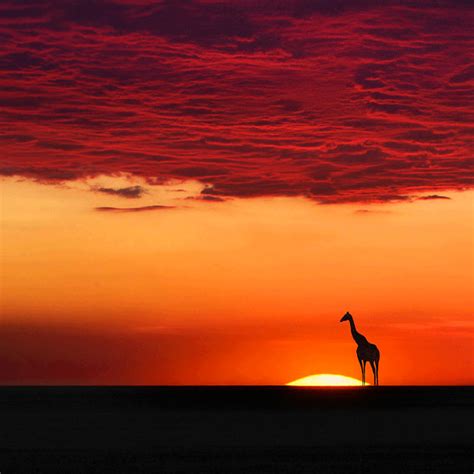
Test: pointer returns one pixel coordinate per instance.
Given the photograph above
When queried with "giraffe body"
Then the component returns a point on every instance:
(366, 351)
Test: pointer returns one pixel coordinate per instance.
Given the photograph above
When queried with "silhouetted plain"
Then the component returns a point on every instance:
(235, 430)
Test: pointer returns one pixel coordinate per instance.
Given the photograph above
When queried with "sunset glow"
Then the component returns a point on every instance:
(326, 380)
(196, 192)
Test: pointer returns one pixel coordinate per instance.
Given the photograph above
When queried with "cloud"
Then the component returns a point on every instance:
(334, 101)
(134, 209)
(432, 197)
(130, 192)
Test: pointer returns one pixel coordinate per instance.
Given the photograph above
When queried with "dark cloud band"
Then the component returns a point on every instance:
(130, 192)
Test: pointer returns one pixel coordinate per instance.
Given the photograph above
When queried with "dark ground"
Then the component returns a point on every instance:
(236, 429)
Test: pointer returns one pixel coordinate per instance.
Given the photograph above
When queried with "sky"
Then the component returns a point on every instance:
(195, 192)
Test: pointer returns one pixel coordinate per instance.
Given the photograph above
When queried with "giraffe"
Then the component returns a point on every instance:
(365, 350)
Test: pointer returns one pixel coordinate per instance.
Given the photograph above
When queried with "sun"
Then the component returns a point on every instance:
(326, 380)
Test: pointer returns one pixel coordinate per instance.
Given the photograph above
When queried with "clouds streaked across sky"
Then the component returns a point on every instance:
(336, 101)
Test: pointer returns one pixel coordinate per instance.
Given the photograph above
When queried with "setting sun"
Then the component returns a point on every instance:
(326, 380)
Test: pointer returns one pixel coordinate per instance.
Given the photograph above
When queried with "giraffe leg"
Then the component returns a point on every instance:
(362, 370)
(377, 370)
(363, 373)
(372, 364)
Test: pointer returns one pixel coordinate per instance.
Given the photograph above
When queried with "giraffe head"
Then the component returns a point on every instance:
(346, 317)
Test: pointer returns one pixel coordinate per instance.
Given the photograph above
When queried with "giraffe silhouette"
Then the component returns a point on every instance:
(365, 350)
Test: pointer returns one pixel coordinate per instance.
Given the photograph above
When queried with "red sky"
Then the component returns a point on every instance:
(290, 160)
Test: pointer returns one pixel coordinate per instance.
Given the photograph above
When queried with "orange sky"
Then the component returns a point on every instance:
(248, 291)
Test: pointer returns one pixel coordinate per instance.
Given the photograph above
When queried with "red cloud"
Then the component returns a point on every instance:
(337, 102)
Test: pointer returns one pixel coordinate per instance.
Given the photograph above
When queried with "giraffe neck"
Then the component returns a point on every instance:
(355, 335)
